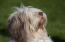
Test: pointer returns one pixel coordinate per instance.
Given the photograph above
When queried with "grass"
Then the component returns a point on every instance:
(55, 10)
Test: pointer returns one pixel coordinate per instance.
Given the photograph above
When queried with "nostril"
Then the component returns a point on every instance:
(41, 13)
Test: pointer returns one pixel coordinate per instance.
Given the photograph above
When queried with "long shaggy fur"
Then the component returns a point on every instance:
(28, 24)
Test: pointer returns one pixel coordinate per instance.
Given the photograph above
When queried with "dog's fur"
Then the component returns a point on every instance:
(28, 24)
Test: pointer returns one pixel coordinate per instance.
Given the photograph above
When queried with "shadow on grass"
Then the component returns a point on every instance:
(4, 32)
(57, 39)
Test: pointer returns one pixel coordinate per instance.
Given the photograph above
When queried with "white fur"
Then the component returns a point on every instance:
(40, 35)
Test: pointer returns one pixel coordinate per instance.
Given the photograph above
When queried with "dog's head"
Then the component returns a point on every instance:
(25, 21)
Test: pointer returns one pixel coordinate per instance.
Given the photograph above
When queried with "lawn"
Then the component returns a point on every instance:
(55, 10)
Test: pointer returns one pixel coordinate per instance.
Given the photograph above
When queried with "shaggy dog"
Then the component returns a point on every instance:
(28, 24)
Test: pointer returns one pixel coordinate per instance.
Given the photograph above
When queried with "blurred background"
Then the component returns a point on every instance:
(55, 10)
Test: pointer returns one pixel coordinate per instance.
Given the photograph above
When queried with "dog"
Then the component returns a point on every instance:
(28, 24)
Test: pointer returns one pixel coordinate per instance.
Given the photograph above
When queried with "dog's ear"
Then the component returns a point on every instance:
(15, 26)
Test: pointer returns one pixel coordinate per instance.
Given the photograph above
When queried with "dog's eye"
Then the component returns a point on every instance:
(41, 13)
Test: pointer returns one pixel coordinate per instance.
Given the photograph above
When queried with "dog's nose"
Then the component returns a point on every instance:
(41, 13)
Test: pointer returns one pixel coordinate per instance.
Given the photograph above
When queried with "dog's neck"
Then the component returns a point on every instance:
(38, 36)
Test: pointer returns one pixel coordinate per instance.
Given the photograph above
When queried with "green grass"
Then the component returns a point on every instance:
(55, 10)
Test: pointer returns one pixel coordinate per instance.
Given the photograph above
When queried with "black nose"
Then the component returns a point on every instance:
(41, 13)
